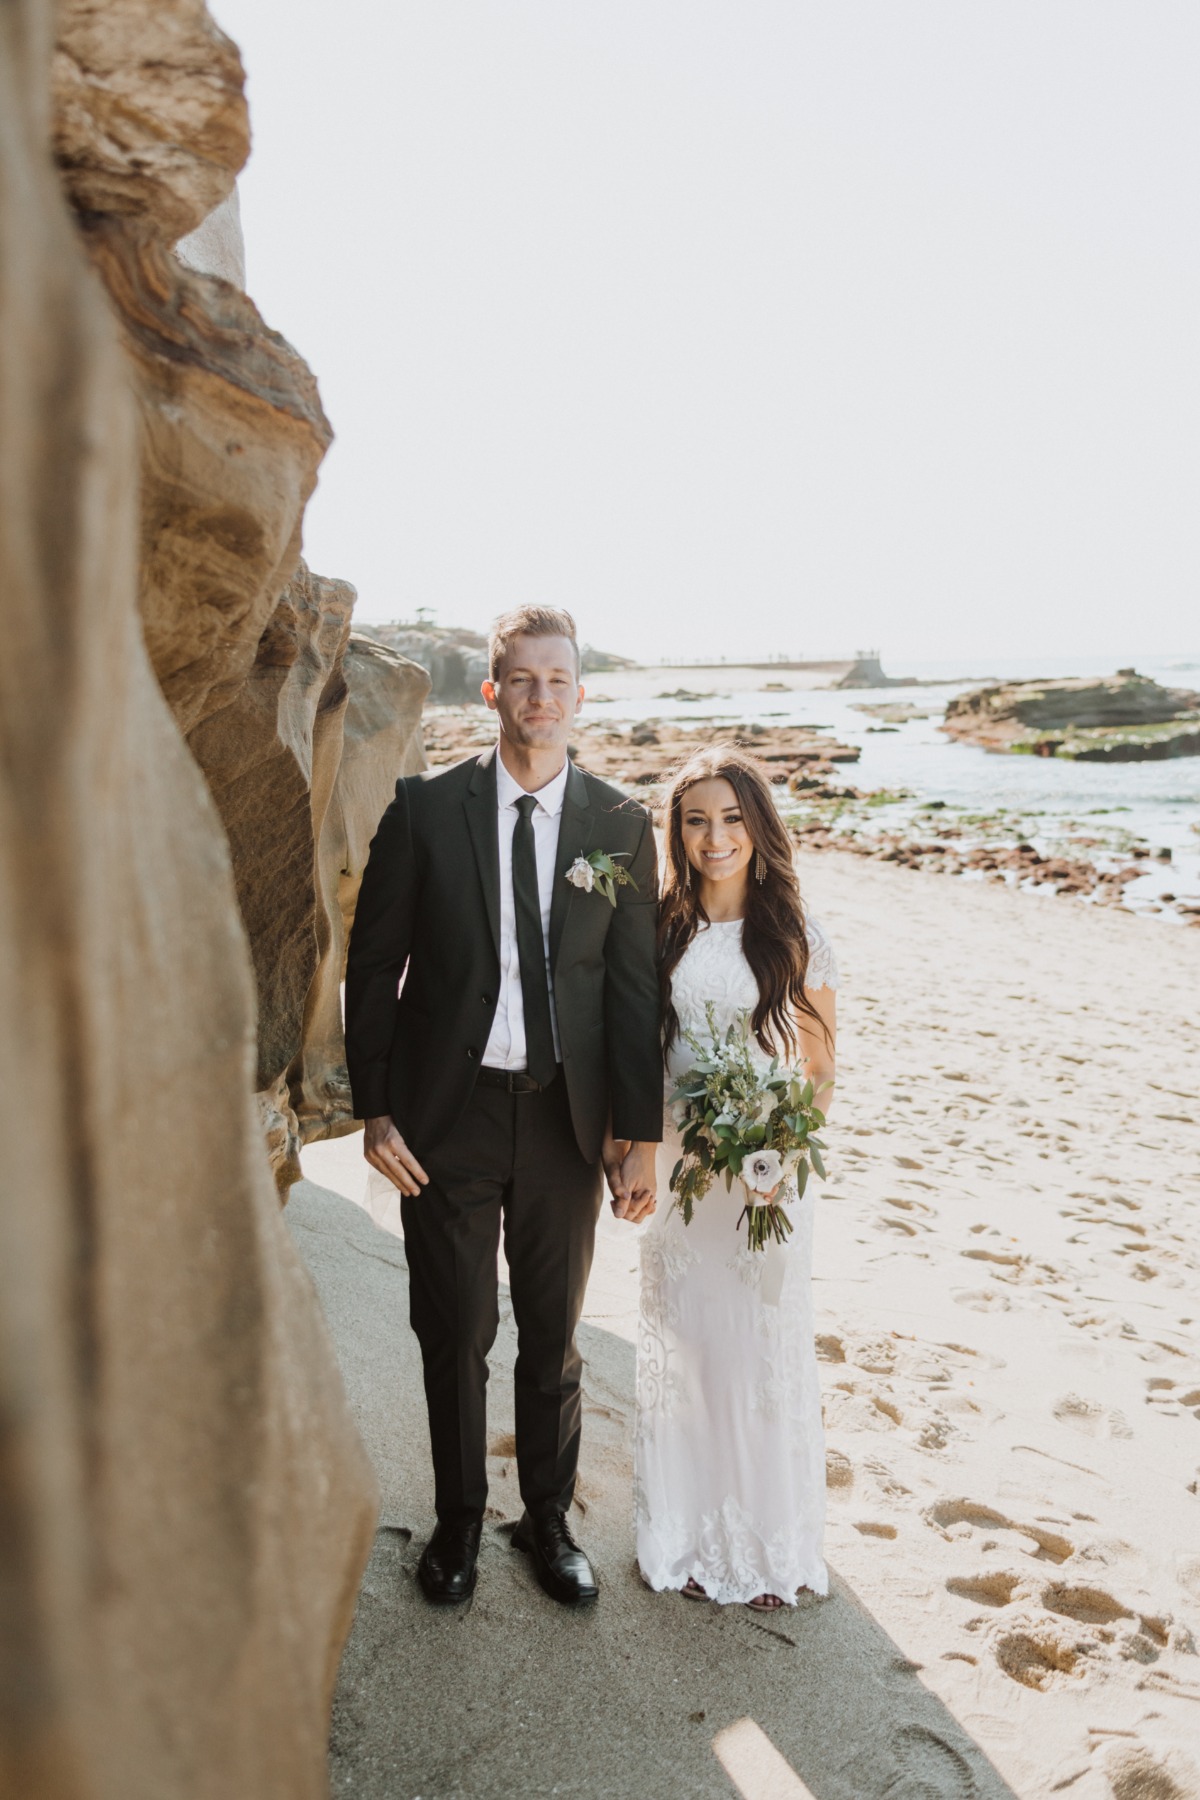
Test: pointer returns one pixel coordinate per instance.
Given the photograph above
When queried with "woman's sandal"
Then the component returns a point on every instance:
(765, 1603)
(691, 1590)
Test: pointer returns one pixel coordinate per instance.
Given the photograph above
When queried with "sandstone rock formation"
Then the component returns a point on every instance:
(149, 115)
(247, 644)
(184, 1504)
(1122, 718)
(381, 741)
(232, 436)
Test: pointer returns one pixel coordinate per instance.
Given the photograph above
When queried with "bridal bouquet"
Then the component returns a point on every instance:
(740, 1121)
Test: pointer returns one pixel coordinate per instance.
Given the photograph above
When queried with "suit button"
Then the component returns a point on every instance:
(472, 1052)
(486, 998)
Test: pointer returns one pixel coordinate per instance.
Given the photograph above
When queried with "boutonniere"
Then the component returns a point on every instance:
(600, 870)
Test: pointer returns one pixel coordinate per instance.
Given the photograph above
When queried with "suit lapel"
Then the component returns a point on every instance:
(575, 826)
(480, 809)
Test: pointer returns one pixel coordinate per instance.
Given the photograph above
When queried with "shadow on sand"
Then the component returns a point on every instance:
(513, 1696)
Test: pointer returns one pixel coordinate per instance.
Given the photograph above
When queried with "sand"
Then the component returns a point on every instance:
(1009, 1322)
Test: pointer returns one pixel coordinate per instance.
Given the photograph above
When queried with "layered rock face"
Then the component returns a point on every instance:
(381, 741)
(1125, 717)
(185, 1507)
(246, 642)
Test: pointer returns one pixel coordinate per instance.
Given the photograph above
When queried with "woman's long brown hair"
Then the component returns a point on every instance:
(774, 940)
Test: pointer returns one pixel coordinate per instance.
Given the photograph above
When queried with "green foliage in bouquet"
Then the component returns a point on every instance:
(738, 1120)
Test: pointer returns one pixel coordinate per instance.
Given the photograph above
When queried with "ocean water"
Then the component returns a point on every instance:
(1044, 800)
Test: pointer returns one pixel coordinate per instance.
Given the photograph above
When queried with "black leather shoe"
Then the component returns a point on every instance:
(446, 1570)
(561, 1567)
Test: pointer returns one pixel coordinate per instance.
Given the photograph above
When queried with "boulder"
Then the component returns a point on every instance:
(186, 1507)
(149, 113)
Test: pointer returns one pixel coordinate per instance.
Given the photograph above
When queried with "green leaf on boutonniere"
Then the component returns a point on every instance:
(600, 871)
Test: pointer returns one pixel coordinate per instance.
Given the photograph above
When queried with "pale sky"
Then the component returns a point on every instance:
(751, 326)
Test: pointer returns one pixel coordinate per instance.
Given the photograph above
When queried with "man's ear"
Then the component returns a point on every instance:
(488, 690)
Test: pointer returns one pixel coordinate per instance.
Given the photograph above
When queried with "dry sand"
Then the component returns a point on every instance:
(1009, 1320)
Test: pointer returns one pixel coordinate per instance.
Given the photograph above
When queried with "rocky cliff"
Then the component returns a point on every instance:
(1124, 717)
(457, 661)
(185, 1507)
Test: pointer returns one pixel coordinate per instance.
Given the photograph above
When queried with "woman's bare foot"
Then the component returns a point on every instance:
(765, 1603)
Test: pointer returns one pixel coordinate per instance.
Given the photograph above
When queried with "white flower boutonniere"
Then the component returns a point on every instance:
(601, 871)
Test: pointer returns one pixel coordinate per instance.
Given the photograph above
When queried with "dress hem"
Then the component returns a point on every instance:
(808, 1579)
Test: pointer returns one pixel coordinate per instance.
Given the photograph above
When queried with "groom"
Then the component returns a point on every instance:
(521, 1051)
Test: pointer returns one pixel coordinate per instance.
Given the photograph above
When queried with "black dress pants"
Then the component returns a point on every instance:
(512, 1159)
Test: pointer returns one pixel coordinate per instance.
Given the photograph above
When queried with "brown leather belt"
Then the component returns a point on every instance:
(513, 1081)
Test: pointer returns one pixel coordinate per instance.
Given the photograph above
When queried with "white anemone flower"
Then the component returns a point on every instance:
(763, 1171)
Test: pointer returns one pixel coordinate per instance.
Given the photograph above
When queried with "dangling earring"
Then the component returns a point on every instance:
(760, 867)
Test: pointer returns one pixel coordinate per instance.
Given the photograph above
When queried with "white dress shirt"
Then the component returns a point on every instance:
(505, 1047)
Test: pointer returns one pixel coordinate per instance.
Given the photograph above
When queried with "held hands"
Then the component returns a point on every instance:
(387, 1151)
(629, 1168)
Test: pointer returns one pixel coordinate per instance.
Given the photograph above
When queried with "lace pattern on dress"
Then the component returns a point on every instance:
(822, 968)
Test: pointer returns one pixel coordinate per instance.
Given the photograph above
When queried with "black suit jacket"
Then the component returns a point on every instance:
(430, 903)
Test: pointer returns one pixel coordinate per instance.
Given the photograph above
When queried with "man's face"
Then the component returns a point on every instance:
(536, 692)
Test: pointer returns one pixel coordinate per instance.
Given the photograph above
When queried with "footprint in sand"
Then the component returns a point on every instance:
(851, 1407)
(1050, 1633)
(995, 1587)
(839, 1470)
(1135, 1773)
(902, 1227)
(875, 1528)
(982, 1299)
(1009, 1259)
(885, 1480)
(944, 1515)
(1085, 1604)
(1037, 1652)
(1091, 1417)
(1173, 1397)
(930, 1768)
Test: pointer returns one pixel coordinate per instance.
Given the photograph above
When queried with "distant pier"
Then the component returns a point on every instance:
(863, 670)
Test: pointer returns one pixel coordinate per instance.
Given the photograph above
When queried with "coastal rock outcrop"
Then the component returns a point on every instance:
(273, 759)
(186, 1505)
(381, 740)
(149, 117)
(232, 434)
(457, 659)
(1125, 717)
(246, 642)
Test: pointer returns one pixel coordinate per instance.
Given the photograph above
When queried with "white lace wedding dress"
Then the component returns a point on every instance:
(729, 1453)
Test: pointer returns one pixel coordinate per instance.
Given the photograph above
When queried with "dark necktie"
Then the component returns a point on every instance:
(540, 1061)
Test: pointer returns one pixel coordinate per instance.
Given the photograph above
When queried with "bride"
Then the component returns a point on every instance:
(729, 1447)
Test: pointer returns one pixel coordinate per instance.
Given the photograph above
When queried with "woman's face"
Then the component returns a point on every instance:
(715, 838)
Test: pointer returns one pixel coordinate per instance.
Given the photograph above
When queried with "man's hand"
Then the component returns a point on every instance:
(387, 1151)
(638, 1184)
(612, 1154)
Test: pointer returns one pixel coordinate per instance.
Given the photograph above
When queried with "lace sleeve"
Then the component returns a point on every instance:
(822, 963)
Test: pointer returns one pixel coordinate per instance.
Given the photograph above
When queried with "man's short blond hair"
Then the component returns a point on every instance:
(529, 621)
